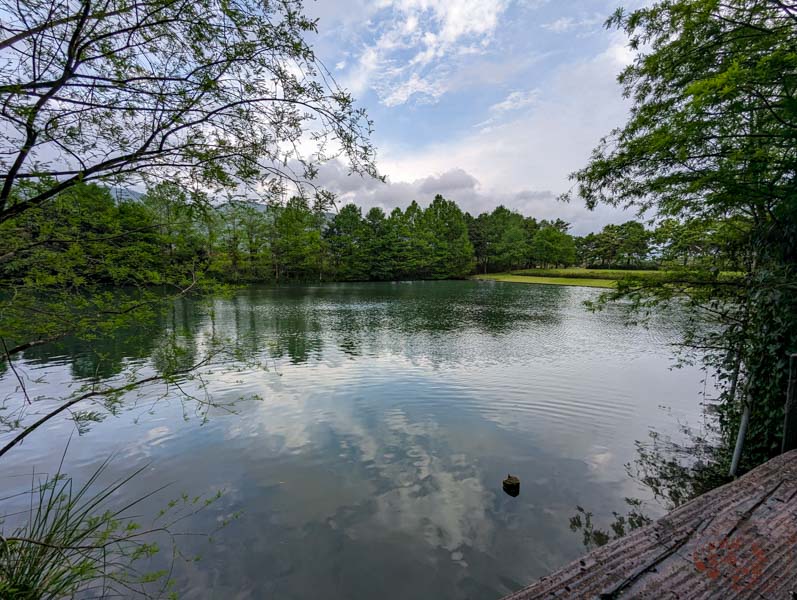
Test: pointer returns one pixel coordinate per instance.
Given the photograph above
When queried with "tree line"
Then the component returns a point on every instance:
(88, 233)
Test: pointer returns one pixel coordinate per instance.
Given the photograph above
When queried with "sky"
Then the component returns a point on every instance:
(486, 102)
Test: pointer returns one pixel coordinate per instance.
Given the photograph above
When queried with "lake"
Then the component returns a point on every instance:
(372, 427)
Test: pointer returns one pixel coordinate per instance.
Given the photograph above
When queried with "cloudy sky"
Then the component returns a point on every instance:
(485, 101)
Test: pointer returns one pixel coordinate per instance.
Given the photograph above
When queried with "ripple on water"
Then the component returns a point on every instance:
(371, 463)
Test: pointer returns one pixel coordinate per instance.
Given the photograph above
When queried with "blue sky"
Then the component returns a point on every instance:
(485, 101)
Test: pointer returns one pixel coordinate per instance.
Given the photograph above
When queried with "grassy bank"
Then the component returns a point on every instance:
(557, 280)
(597, 277)
(604, 274)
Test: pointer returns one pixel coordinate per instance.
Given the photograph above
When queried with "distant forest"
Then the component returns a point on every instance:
(133, 240)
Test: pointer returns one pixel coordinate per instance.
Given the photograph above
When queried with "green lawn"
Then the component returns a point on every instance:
(558, 280)
(593, 277)
(580, 273)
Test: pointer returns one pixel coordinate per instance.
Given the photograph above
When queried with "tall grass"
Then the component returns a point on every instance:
(73, 541)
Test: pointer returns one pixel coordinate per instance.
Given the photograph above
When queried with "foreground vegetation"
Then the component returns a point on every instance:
(711, 140)
(78, 539)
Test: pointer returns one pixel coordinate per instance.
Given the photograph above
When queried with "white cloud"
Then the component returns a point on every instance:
(560, 25)
(558, 97)
(568, 24)
(467, 191)
(417, 43)
(523, 161)
(538, 148)
(516, 100)
(414, 86)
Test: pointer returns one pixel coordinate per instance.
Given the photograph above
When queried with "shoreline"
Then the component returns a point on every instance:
(565, 281)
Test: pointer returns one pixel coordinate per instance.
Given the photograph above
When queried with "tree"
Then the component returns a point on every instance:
(587, 250)
(501, 239)
(477, 233)
(298, 247)
(634, 242)
(711, 139)
(209, 96)
(608, 245)
(240, 242)
(175, 217)
(377, 245)
(451, 250)
(349, 245)
(203, 93)
(418, 243)
(559, 224)
(682, 242)
(512, 250)
(551, 246)
(398, 245)
(703, 243)
(84, 235)
(255, 225)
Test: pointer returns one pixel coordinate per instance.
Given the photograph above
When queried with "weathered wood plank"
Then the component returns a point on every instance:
(736, 542)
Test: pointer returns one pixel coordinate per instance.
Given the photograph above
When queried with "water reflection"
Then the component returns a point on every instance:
(296, 322)
(391, 414)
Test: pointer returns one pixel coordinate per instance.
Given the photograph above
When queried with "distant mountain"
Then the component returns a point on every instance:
(122, 194)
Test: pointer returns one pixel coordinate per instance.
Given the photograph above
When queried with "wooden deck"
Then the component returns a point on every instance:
(737, 541)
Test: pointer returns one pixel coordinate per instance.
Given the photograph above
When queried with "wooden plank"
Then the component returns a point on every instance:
(737, 541)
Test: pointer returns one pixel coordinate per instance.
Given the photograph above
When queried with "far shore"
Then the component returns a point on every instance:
(569, 281)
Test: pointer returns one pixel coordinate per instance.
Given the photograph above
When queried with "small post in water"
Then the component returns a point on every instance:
(790, 411)
(737, 452)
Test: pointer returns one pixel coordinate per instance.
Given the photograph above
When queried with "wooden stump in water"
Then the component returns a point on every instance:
(512, 485)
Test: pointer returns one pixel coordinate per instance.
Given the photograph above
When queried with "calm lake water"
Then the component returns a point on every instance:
(367, 447)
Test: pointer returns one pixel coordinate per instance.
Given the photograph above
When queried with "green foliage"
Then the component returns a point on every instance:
(350, 245)
(505, 240)
(710, 144)
(75, 540)
(418, 243)
(553, 247)
(296, 248)
(615, 245)
(378, 264)
(704, 243)
(450, 250)
(161, 97)
(82, 236)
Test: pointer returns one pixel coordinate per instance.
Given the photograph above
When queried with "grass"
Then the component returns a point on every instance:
(601, 278)
(556, 280)
(581, 273)
(74, 542)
